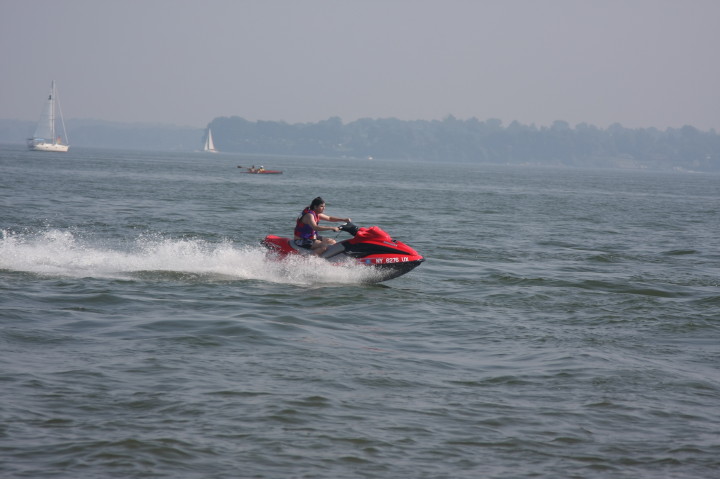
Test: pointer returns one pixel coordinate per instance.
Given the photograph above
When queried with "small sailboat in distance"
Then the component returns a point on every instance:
(209, 145)
(46, 137)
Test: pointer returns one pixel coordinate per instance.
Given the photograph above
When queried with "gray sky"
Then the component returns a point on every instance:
(641, 63)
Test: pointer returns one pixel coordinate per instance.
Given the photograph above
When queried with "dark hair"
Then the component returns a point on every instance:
(317, 202)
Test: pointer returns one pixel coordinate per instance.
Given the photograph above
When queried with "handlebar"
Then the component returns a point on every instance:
(349, 228)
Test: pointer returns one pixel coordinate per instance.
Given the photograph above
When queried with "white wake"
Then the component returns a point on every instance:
(61, 253)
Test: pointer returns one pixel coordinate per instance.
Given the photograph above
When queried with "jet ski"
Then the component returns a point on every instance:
(371, 247)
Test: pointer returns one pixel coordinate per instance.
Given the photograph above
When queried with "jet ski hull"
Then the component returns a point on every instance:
(370, 247)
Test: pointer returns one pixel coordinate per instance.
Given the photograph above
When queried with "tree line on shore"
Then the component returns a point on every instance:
(447, 140)
(473, 140)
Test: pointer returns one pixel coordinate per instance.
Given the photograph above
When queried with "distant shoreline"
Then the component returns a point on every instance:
(449, 140)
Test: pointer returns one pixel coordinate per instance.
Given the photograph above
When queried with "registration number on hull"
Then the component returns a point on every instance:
(389, 260)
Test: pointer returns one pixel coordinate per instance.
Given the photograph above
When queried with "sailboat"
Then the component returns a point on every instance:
(46, 137)
(209, 145)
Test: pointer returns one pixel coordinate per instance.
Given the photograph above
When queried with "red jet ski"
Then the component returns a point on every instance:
(372, 247)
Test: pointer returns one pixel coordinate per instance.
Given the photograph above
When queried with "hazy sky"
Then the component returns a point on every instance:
(641, 63)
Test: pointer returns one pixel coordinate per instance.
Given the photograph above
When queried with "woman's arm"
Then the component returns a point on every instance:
(335, 219)
(308, 219)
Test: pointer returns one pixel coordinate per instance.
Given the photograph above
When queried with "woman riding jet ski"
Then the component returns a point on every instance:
(307, 226)
(369, 246)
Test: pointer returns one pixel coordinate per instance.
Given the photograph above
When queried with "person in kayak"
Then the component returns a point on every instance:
(306, 227)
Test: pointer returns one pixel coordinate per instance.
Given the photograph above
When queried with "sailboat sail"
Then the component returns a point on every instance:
(209, 145)
(46, 136)
(45, 127)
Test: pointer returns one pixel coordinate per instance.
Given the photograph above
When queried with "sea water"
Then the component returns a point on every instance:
(566, 322)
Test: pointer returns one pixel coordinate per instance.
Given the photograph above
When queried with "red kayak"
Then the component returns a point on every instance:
(260, 171)
(371, 247)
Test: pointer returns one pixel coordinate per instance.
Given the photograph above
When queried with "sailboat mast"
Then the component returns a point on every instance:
(52, 111)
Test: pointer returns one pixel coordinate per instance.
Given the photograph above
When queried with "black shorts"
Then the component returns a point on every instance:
(304, 243)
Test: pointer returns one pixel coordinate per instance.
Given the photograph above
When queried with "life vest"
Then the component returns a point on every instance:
(305, 231)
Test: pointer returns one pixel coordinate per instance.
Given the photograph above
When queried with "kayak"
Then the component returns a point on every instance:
(260, 172)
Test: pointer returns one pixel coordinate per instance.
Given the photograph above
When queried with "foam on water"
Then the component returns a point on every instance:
(53, 252)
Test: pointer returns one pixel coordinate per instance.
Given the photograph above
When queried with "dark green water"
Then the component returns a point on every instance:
(566, 323)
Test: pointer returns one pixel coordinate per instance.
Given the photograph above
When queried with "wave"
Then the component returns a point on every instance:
(63, 253)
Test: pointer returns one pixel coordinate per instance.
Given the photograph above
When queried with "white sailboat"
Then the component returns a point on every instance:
(46, 136)
(209, 145)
